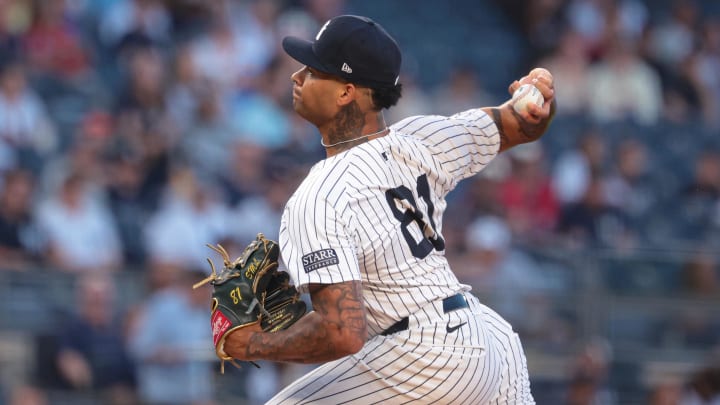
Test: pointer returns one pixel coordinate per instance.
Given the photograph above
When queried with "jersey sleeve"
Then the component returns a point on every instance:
(463, 143)
(317, 244)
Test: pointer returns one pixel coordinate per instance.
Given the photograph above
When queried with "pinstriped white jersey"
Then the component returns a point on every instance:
(374, 213)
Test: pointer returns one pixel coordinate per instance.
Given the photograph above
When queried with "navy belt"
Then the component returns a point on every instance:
(450, 304)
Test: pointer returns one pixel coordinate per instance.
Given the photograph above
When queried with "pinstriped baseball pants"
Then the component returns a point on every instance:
(481, 362)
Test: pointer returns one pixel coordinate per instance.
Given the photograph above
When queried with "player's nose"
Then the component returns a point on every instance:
(297, 76)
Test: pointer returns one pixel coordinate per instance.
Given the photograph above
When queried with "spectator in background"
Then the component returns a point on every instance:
(302, 147)
(131, 203)
(238, 45)
(493, 264)
(666, 392)
(92, 353)
(181, 94)
(84, 154)
(27, 135)
(171, 343)
(262, 212)
(623, 86)
(704, 68)
(589, 375)
(16, 22)
(672, 40)
(19, 238)
(700, 275)
(630, 19)
(592, 20)
(593, 223)
(125, 21)
(571, 60)
(671, 47)
(245, 176)
(628, 188)
(28, 395)
(54, 46)
(542, 22)
(697, 200)
(258, 115)
(189, 18)
(477, 199)
(141, 110)
(530, 204)
(207, 143)
(597, 21)
(705, 183)
(462, 90)
(190, 215)
(699, 278)
(576, 166)
(703, 387)
(144, 128)
(691, 329)
(80, 230)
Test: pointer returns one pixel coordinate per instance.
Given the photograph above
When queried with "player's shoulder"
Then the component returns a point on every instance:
(416, 123)
(433, 127)
(364, 161)
(333, 172)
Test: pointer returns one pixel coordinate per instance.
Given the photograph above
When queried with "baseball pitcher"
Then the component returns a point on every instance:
(363, 236)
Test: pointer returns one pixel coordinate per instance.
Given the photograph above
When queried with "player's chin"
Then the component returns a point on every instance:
(302, 111)
(297, 106)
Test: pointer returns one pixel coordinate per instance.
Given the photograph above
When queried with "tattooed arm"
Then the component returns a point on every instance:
(336, 328)
(517, 128)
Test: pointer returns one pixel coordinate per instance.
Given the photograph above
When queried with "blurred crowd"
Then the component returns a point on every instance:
(133, 132)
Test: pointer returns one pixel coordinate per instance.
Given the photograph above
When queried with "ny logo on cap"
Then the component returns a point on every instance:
(324, 27)
(345, 68)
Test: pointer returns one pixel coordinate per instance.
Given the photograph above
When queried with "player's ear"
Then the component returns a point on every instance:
(348, 93)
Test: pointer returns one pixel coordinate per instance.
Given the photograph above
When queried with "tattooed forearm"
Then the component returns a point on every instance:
(497, 117)
(336, 328)
(530, 131)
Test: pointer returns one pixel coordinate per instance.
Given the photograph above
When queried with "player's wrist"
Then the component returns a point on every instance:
(237, 344)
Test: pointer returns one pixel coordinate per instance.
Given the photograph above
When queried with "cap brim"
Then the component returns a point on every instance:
(302, 51)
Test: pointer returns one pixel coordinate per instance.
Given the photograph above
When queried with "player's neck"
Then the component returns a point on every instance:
(340, 136)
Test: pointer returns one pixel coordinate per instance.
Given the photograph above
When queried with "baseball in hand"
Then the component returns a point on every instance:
(527, 93)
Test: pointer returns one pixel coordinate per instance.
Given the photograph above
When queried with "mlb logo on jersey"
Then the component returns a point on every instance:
(319, 259)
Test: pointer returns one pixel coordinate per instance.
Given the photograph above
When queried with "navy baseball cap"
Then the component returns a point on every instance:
(354, 48)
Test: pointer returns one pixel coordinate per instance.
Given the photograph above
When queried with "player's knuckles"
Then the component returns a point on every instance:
(544, 78)
(541, 73)
(545, 88)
